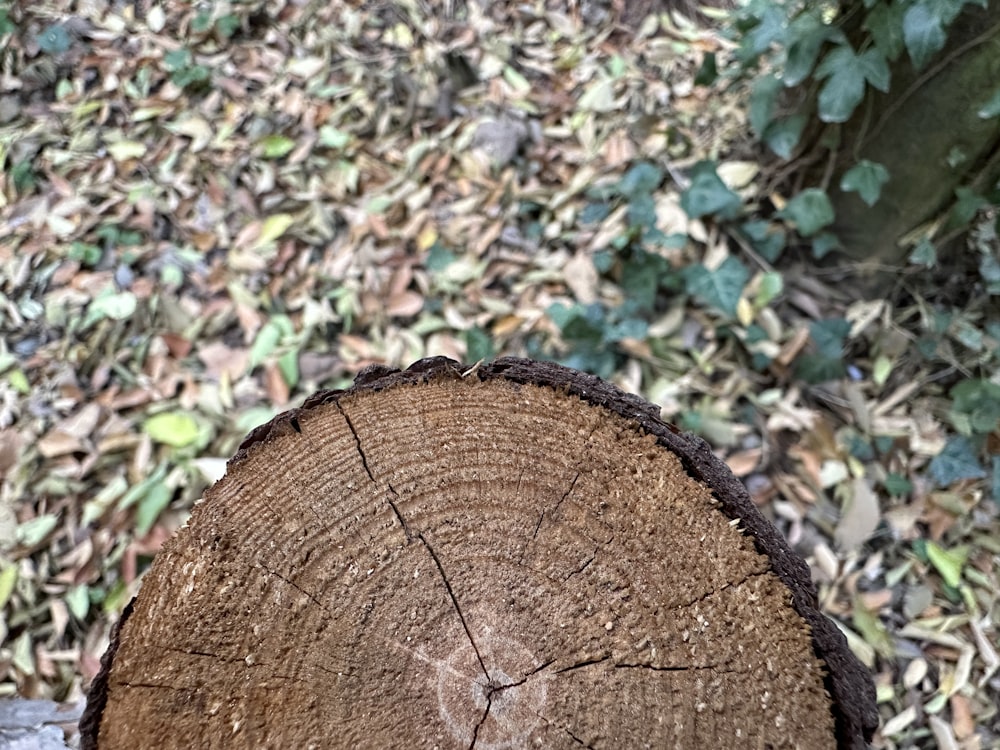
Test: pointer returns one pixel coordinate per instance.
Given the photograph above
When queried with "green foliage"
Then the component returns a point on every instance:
(924, 254)
(439, 258)
(54, 40)
(183, 70)
(827, 363)
(6, 25)
(479, 345)
(803, 69)
(923, 33)
(23, 176)
(635, 190)
(992, 107)
(846, 74)
(708, 195)
(593, 330)
(765, 237)
(866, 178)
(224, 25)
(957, 461)
(110, 305)
(783, 135)
(720, 288)
(975, 406)
(275, 146)
(809, 211)
(85, 254)
(114, 236)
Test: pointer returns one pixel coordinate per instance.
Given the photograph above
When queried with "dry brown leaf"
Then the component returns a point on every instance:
(859, 518)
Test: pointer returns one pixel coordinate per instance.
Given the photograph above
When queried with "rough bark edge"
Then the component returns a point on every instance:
(847, 681)
(97, 695)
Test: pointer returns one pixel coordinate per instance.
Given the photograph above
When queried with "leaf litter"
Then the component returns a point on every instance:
(208, 212)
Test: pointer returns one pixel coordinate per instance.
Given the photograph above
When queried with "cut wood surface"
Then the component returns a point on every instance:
(514, 555)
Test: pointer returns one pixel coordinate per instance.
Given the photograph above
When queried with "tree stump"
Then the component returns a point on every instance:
(515, 555)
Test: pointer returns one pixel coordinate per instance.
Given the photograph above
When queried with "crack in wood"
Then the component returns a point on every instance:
(454, 601)
(500, 688)
(482, 720)
(586, 564)
(723, 587)
(364, 463)
(295, 586)
(565, 729)
(580, 665)
(683, 668)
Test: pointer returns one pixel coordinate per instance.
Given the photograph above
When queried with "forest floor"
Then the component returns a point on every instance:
(208, 212)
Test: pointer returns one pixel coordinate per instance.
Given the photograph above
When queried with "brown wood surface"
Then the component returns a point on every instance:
(513, 556)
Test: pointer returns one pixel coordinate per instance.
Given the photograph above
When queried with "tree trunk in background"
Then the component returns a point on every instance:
(517, 555)
(927, 119)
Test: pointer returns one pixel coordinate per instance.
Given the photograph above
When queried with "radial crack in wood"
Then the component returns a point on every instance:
(503, 556)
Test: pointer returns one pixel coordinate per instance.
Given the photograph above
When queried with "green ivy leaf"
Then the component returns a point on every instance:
(439, 258)
(769, 28)
(923, 33)
(630, 328)
(897, 485)
(478, 345)
(975, 404)
(177, 59)
(54, 40)
(807, 32)
(924, 254)
(227, 25)
(989, 271)
(641, 276)
(782, 136)
(767, 238)
(967, 204)
(642, 211)
(866, 178)
(708, 194)
(708, 71)
(642, 179)
(720, 288)
(189, 76)
(991, 108)
(815, 368)
(763, 97)
(174, 428)
(824, 243)
(955, 462)
(809, 211)
(885, 22)
(846, 74)
(829, 335)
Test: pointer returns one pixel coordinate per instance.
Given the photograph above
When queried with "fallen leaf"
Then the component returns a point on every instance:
(176, 429)
(860, 517)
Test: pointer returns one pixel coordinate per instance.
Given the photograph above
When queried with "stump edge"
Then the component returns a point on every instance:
(847, 681)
